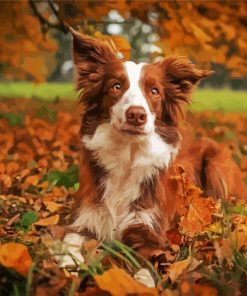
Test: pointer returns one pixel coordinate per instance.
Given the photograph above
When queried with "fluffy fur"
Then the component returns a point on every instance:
(132, 144)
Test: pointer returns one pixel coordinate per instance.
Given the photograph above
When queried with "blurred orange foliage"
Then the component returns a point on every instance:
(206, 31)
(20, 259)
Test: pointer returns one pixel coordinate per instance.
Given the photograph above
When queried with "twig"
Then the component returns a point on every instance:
(63, 27)
(45, 24)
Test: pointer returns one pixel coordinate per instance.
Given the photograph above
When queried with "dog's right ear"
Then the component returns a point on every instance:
(90, 58)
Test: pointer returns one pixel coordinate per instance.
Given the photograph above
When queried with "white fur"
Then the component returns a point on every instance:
(132, 97)
(129, 163)
(70, 250)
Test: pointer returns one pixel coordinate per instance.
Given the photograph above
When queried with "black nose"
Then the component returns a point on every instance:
(136, 116)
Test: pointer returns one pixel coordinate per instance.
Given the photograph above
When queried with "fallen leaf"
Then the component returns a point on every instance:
(174, 236)
(28, 219)
(57, 232)
(198, 216)
(203, 290)
(15, 256)
(119, 283)
(177, 268)
(30, 180)
(52, 206)
(52, 220)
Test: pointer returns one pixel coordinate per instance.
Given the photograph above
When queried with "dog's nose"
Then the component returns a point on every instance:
(136, 116)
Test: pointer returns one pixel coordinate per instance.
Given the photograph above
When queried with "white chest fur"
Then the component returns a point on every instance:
(128, 162)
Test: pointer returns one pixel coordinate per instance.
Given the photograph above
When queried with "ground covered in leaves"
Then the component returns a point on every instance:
(205, 255)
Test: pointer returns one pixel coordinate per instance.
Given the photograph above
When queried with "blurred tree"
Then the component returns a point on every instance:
(209, 32)
(25, 52)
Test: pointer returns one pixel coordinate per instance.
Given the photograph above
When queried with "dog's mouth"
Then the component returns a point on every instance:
(131, 130)
(134, 132)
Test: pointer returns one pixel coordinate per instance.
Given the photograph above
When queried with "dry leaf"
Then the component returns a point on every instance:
(15, 256)
(203, 290)
(30, 180)
(57, 232)
(119, 283)
(52, 220)
(177, 268)
(52, 206)
(198, 216)
(174, 236)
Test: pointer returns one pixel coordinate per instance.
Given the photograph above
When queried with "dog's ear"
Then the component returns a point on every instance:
(90, 58)
(180, 79)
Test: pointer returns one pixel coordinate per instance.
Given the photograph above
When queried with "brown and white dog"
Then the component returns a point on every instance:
(132, 143)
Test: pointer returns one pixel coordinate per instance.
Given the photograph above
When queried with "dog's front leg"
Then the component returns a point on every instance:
(70, 250)
(142, 239)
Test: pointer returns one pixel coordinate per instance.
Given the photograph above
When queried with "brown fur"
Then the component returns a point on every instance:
(206, 163)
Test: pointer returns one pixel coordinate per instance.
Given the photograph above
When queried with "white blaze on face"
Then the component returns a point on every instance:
(132, 97)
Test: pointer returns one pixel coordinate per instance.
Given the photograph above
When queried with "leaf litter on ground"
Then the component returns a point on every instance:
(205, 254)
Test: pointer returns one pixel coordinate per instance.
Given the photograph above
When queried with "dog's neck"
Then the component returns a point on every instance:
(115, 151)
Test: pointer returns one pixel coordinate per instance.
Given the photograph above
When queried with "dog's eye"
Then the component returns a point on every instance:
(155, 91)
(116, 86)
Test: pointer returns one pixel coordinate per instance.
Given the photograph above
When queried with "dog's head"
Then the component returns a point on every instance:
(135, 99)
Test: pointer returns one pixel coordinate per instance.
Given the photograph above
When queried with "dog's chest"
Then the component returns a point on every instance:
(128, 165)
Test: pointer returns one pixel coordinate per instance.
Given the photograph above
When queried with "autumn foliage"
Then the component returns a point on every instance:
(205, 253)
(198, 29)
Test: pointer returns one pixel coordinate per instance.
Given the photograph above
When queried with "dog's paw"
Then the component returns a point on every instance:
(144, 277)
(68, 252)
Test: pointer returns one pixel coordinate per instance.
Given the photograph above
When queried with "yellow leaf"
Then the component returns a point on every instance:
(52, 206)
(177, 268)
(117, 282)
(52, 220)
(15, 256)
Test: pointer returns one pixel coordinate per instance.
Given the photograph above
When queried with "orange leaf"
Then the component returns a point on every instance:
(122, 45)
(52, 206)
(203, 290)
(52, 220)
(117, 282)
(2, 168)
(15, 256)
(174, 236)
(12, 167)
(30, 180)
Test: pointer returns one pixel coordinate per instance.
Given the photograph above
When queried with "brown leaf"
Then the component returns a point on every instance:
(57, 232)
(177, 268)
(174, 236)
(52, 220)
(203, 290)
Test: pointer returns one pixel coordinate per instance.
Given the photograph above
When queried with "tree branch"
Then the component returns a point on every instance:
(45, 24)
(63, 27)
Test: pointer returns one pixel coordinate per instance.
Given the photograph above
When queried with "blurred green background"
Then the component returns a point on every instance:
(35, 44)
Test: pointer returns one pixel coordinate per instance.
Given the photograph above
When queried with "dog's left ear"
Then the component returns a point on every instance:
(90, 58)
(180, 79)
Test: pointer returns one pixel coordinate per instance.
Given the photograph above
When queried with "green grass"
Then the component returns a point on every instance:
(220, 99)
(204, 99)
(44, 91)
